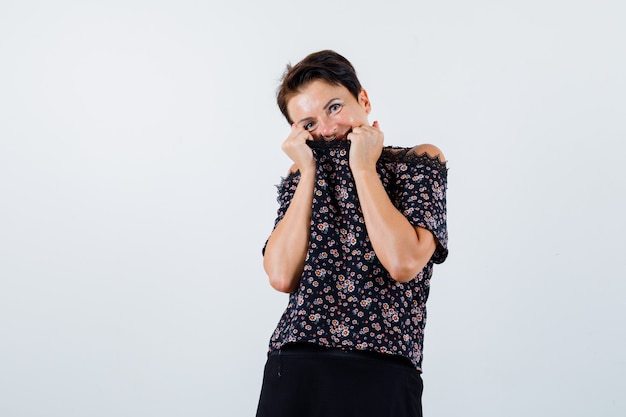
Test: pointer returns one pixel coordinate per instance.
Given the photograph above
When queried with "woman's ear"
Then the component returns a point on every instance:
(365, 101)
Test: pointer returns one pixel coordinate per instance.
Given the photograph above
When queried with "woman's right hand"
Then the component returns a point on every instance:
(297, 150)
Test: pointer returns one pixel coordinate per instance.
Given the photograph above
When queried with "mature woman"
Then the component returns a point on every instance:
(359, 227)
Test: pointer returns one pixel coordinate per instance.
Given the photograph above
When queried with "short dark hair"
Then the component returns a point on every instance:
(324, 65)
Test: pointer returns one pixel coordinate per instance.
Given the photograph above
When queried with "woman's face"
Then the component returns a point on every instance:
(328, 111)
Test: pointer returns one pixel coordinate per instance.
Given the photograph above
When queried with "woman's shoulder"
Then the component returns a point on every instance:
(430, 150)
(424, 152)
(293, 169)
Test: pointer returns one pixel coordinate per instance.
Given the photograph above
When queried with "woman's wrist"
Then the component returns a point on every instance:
(308, 169)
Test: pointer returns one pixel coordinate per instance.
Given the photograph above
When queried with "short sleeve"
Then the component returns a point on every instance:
(421, 184)
(286, 190)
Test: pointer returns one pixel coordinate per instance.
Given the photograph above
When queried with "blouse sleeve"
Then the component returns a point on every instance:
(286, 190)
(421, 185)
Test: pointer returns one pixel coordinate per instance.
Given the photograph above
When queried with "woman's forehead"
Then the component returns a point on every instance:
(315, 96)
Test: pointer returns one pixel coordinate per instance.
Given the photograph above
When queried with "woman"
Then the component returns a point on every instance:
(359, 227)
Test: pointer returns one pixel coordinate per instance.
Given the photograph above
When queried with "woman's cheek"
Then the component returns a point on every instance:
(352, 122)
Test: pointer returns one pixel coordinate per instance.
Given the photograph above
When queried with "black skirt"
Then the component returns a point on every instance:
(309, 381)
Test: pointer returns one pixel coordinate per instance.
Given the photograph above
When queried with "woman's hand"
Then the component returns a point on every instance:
(297, 150)
(366, 147)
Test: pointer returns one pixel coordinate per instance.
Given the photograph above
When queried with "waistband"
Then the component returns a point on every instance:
(312, 350)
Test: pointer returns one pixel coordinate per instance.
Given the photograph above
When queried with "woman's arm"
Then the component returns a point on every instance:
(402, 249)
(287, 246)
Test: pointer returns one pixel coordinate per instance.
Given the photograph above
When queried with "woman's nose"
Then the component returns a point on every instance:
(328, 129)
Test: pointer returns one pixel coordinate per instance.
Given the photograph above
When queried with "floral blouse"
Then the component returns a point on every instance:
(346, 299)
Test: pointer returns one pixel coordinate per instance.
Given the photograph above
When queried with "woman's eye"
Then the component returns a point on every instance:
(309, 126)
(334, 108)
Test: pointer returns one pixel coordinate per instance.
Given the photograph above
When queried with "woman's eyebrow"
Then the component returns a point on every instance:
(330, 101)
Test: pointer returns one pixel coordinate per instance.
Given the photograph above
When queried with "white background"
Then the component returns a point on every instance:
(140, 146)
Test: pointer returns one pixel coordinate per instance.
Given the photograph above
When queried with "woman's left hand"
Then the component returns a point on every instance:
(366, 147)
